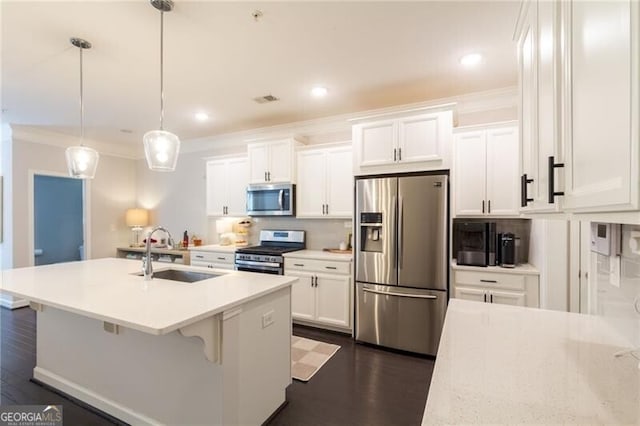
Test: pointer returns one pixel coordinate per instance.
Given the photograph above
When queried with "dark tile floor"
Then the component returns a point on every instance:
(360, 385)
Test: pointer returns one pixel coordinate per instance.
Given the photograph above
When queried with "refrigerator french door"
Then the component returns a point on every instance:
(401, 261)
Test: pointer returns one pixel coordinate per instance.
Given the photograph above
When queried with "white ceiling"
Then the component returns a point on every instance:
(217, 59)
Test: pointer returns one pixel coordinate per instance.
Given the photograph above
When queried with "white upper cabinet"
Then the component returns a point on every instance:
(227, 180)
(405, 142)
(601, 91)
(325, 183)
(486, 171)
(272, 162)
(578, 73)
(539, 113)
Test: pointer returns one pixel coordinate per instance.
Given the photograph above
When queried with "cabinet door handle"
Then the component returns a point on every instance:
(265, 176)
(330, 267)
(482, 206)
(395, 152)
(491, 297)
(323, 209)
(399, 154)
(311, 277)
(316, 281)
(489, 206)
(552, 178)
(524, 198)
(269, 176)
(327, 208)
(485, 297)
(489, 281)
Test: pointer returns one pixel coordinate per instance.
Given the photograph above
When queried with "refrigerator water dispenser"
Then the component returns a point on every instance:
(371, 236)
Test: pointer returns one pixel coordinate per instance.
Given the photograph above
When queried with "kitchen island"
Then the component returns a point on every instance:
(216, 351)
(500, 364)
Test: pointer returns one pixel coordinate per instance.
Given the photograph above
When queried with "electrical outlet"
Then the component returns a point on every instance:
(267, 319)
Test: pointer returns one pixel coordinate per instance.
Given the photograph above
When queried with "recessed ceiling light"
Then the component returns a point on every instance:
(202, 116)
(471, 59)
(319, 92)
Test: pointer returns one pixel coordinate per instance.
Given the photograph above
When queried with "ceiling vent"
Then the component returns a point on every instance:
(266, 99)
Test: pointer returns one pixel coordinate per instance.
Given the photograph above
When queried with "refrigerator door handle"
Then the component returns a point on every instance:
(400, 232)
(415, 296)
(394, 223)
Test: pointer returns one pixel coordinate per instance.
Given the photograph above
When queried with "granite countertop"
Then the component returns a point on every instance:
(320, 255)
(500, 364)
(521, 269)
(107, 290)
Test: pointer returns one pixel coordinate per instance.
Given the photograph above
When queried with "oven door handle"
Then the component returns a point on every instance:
(253, 263)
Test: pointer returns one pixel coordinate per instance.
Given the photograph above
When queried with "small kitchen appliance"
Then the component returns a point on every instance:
(267, 257)
(271, 199)
(507, 250)
(477, 243)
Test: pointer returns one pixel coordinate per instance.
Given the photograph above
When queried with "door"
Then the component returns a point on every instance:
(419, 139)
(340, 183)
(281, 161)
(602, 151)
(378, 143)
(58, 219)
(502, 172)
(310, 197)
(470, 173)
(332, 300)
(507, 298)
(258, 162)
(473, 294)
(376, 204)
(216, 187)
(400, 318)
(303, 296)
(237, 180)
(422, 231)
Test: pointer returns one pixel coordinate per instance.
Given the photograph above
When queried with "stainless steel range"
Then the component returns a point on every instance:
(267, 257)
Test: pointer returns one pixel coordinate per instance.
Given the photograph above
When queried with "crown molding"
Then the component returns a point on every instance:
(47, 137)
(341, 124)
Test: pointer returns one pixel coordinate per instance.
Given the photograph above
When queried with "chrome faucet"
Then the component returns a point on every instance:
(147, 267)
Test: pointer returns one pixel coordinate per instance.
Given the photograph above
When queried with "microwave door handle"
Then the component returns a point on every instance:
(281, 199)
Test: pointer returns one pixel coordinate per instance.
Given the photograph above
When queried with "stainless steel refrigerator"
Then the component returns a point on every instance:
(401, 261)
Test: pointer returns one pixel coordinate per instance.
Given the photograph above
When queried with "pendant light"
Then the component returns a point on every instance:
(161, 148)
(82, 161)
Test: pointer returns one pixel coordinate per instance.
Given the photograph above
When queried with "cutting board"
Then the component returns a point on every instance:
(337, 251)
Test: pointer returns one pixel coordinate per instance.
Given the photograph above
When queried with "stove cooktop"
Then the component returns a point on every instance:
(269, 250)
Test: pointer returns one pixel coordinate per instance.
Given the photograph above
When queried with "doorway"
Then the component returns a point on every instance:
(58, 219)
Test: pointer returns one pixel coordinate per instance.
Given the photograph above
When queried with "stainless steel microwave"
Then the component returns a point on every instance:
(271, 199)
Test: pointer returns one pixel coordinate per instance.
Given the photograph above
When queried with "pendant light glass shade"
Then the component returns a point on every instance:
(161, 149)
(82, 161)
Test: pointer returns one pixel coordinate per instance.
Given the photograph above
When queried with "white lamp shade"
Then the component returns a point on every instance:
(82, 162)
(161, 149)
(137, 218)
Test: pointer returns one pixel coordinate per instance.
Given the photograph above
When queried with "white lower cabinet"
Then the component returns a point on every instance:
(213, 259)
(497, 287)
(323, 294)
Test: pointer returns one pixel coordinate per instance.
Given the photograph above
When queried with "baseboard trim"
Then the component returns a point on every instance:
(89, 397)
(11, 303)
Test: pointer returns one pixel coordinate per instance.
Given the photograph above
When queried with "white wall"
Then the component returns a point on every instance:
(111, 193)
(548, 251)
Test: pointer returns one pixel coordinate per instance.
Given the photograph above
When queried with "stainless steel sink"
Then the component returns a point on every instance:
(181, 275)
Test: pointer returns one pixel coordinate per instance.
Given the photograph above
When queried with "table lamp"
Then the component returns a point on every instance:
(137, 219)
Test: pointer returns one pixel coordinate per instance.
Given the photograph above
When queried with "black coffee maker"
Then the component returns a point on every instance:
(506, 252)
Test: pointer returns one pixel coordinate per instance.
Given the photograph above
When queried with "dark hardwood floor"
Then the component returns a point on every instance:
(360, 385)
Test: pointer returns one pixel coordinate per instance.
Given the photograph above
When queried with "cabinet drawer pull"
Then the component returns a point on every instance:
(552, 177)
(298, 264)
(198, 256)
(524, 198)
(222, 258)
(331, 267)
(489, 281)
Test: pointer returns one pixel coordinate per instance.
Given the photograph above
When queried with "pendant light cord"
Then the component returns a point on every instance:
(161, 70)
(81, 102)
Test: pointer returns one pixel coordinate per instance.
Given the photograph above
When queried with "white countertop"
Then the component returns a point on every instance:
(105, 289)
(215, 248)
(500, 364)
(320, 255)
(521, 269)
